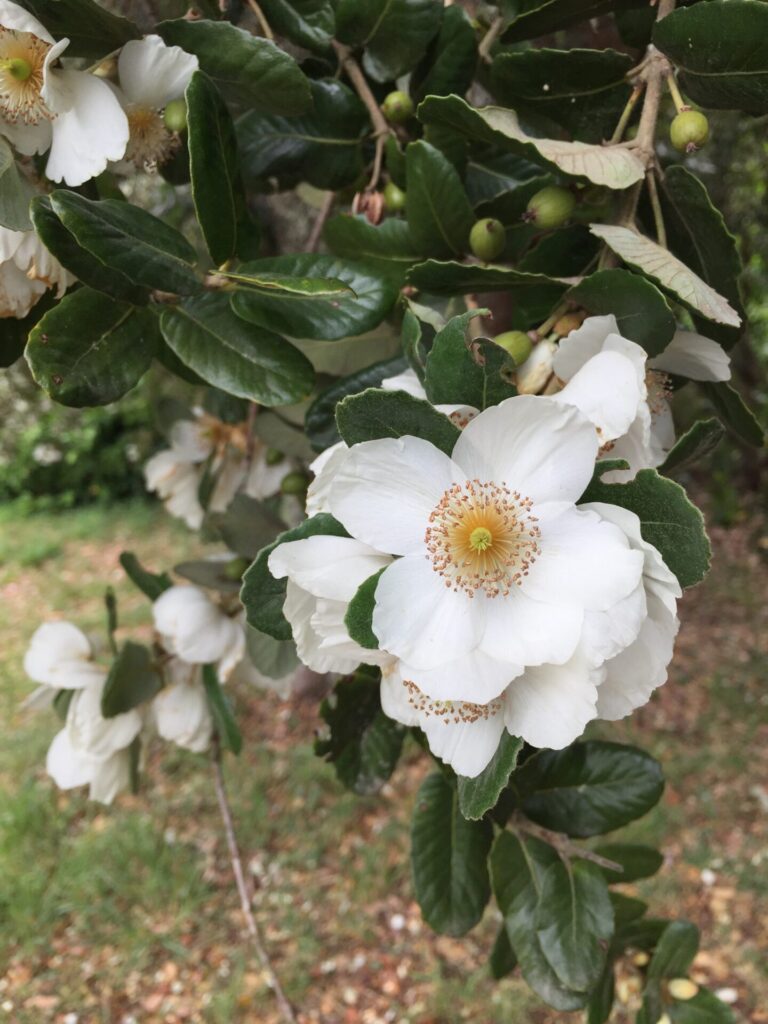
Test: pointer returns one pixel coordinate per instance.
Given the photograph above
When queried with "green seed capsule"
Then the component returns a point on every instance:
(294, 483)
(487, 239)
(550, 207)
(689, 131)
(397, 107)
(175, 116)
(517, 344)
(273, 456)
(394, 197)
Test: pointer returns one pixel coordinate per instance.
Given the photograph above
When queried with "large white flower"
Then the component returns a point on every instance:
(60, 657)
(496, 566)
(151, 75)
(195, 629)
(647, 439)
(44, 105)
(27, 269)
(324, 574)
(180, 711)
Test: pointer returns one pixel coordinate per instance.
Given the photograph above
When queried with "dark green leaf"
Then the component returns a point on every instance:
(602, 996)
(449, 859)
(91, 350)
(479, 795)
(510, 205)
(273, 658)
(359, 615)
(461, 371)
(589, 788)
(447, 278)
(61, 703)
(438, 211)
(270, 283)
(734, 412)
(324, 317)
(387, 246)
(132, 680)
(92, 31)
(374, 414)
(714, 46)
(364, 745)
(668, 521)
(626, 909)
(320, 420)
(642, 933)
(151, 584)
(143, 248)
(449, 65)
(220, 706)
(518, 866)
(395, 33)
(210, 573)
(540, 17)
(253, 68)
(704, 1008)
(502, 960)
(637, 861)
(675, 950)
(247, 525)
(412, 343)
(583, 91)
(696, 443)
(15, 192)
(491, 172)
(640, 309)
(262, 595)
(240, 358)
(574, 920)
(323, 148)
(87, 268)
(308, 23)
(14, 333)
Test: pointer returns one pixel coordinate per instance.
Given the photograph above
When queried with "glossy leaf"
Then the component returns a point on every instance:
(539, 17)
(449, 65)
(465, 372)
(143, 248)
(151, 584)
(612, 166)
(480, 794)
(696, 443)
(626, 909)
(502, 960)
(253, 68)
(15, 192)
(675, 950)
(668, 520)
(438, 211)
(640, 309)
(91, 350)
(449, 859)
(387, 246)
(220, 707)
(92, 31)
(704, 1008)
(447, 277)
(395, 33)
(374, 414)
(589, 788)
(241, 359)
(132, 680)
(602, 996)
(734, 412)
(359, 615)
(324, 317)
(262, 595)
(637, 861)
(308, 23)
(491, 172)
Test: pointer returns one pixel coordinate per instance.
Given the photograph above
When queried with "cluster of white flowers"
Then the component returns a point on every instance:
(27, 270)
(191, 631)
(502, 603)
(207, 445)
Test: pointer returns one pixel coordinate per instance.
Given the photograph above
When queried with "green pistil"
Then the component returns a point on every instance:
(480, 539)
(17, 67)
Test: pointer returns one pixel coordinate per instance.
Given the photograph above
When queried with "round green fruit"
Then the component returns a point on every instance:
(397, 107)
(294, 483)
(175, 116)
(394, 197)
(550, 207)
(517, 344)
(689, 131)
(487, 239)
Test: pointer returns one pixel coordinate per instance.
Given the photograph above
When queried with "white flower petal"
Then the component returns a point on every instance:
(467, 746)
(67, 766)
(607, 391)
(91, 733)
(533, 374)
(324, 467)
(27, 138)
(694, 356)
(406, 381)
(395, 701)
(59, 655)
(18, 294)
(152, 74)
(582, 344)
(181, 712)
(300, 609)
(417, 618)
(527, 632)
(196, 629)
(190, 440)
(533, 445)
(475, 677)
(385, 490)
(332, 567)
(607, 633)
(110, 777)
(14, 17)
(549, 706)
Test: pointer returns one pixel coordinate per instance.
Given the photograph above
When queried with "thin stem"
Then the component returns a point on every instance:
(475, 328)
(242, 886)
(655, 70)
(677, 98)
(263, 23)
(549, 323)
(490, 37)
(626, 113)
(564, 846)
(658, 217)
(381, 130)
(317, 228)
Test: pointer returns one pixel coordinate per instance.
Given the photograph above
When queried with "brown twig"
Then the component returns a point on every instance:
(658, 217)
(564, 846)
(317, 228)
(490, 37)
(381, 130)
(263, 23)
(242, 886)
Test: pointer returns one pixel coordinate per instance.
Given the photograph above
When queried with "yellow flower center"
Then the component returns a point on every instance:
(22, 60)
(150, 143)
(482, 536)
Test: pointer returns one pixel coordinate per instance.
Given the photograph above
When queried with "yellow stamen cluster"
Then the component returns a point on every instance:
(452, 712)
(22, 60)
(150, 143)
(482, 536)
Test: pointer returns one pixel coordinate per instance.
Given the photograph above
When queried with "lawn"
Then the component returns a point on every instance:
(128, 915)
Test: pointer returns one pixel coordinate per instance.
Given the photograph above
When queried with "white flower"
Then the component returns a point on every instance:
(324, 574)
(151, 75)
(180, 711)
(177, 481)
(497, 566)
(27, 269)
(650, 435)
(44, 105)
(532, 376)
(195, 629)
(60, 656)
(324, 467)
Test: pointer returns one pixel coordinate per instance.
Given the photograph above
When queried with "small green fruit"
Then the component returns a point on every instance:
(273, 456)
(175, 116)
(517, 344)
(689, 131)
(234, 570)
(397, 107)
(550, 207)
(294, 483)
(487, 239)
(394, 197)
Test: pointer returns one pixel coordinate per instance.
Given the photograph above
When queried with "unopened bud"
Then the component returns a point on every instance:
(394, 197)
(294, 483)
(566, 324)
(640, 959)
(532, 376)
